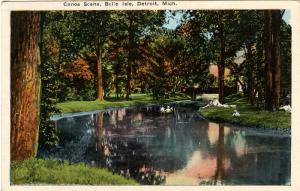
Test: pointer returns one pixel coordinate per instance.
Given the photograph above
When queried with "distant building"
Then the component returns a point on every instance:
(213, 69)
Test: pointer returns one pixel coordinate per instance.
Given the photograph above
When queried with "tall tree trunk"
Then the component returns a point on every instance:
(117, 86)
(99, 71)
(25, 84)
(236, 84)
(130, 57)
(268, 61)
(221, 65)
(261, 70)
(276, 15)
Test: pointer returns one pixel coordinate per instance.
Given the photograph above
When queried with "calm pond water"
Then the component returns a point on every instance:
(178, 148)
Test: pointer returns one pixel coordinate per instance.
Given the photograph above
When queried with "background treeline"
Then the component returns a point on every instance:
(97, 55)
(92, 54)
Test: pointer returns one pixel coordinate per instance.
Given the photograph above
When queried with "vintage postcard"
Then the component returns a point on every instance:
(150, 95)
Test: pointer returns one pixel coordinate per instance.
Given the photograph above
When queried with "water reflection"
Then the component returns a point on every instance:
(177, 148)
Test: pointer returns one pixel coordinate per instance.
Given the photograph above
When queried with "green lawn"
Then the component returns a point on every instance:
(250, 116)
(206, 97)
(136, 99)
(39, 171)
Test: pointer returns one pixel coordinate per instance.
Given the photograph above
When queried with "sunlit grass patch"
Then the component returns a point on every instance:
(135, 99)
(206, 97)
(39, 171)
(249, 115)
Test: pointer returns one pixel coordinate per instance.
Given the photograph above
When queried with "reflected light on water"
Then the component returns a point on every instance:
(213, 132)
(197, 168)
(178, 148)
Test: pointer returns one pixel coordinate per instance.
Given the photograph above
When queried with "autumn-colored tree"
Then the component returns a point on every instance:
(84, 31)
(79, 74)
(95, 27)
(78, 69)
(25, 83)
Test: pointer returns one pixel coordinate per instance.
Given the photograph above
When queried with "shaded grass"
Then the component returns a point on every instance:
(136, 99)
(39, 171)
(250, 115)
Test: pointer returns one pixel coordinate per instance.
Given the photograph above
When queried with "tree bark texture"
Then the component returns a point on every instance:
(99, 73)
(268, 61)
(25, 84)
(130, 58)
(221, 66)
(272, 56)
(276, 48)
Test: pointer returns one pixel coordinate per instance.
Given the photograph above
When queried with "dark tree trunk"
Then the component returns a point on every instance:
(261, 70)
(276, 15)
(117, 86)
(130, 58)
(25, 84)
(268, 61)
(193, 94)
(221, 66)
(236, 84)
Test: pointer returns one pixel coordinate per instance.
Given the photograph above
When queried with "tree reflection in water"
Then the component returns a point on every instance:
(176, 148)
(220, 155)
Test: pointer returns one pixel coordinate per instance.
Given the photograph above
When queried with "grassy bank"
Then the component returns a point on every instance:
(39, 171)
(136, 99)
(250, 116)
